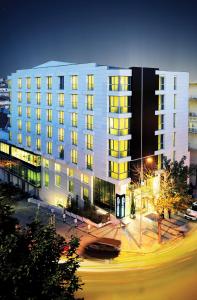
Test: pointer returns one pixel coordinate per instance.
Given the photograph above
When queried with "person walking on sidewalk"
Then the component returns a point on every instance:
(64, 217)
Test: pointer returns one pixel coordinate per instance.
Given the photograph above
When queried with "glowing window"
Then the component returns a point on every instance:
(90, 102)
(89, 141)
(74, 119)
(74, 156)
(74, 137)
(89, 122)
(74, 82)
(74, 100)
(49, 148)
(89, 162)
(57, 167)
(61, 134)
(61, 99)
(90, 82)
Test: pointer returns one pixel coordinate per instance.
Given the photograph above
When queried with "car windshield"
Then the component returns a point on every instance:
(194, 207)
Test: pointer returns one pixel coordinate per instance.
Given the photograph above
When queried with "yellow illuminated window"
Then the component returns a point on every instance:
(19, 138)
(74, 82)
(49, 82)
(38, 128)
(173, 138)
(74, 156)
(45, 162)
(49, 115)
(38, 82)
(119, 83)
(74, 99)
(61, 134)
(49, 147)
(74, 119)
(28, 141)
(38, 144)
(57, 167)
(19, 83)
(89, 162)
(58, 180)
(118, 148)
(89, 122)
(85, 179)
(19, 110)
(61, 117)
(89, 141)
(49, 99)
(49, 131)
(61, 151)
(28, 126)
(19, 97)
(74, 137)
(70, 186)
(32, 159)
(28, 82)
(61, 99)
(90, 102)
(28, 111)
(160, 122)
(28, 97)
(85, 194)
(119, 104)
(38, 113)
(70, 172)
(174, 101)
(19, 123)
(38, 98)
(46, 179)
(90, 82)
(119, 126)
(118, 170)
(4, 148)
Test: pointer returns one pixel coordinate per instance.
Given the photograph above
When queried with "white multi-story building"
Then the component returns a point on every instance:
(77, 128)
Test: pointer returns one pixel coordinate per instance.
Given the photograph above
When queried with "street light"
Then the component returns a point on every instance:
(148, 159)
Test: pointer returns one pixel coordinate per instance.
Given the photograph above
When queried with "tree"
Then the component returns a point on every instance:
(29, 261)
(174, 188)
(132, 205)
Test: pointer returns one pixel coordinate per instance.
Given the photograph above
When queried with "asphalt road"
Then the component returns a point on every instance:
(168, 274)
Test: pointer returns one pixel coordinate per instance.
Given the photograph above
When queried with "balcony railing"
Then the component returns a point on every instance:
(118, 132)
(119, 154)
(192, 130)
(192, 114)
(120, 87)
(120, 109)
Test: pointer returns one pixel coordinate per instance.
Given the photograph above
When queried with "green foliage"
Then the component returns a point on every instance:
(173, 187)
(29, 261)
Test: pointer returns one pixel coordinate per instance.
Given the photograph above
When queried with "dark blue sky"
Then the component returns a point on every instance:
(124, 33)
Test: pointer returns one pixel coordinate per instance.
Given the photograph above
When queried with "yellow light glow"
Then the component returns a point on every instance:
(149, 160)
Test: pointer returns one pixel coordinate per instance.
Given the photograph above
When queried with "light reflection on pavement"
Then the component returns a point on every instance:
(169, 273)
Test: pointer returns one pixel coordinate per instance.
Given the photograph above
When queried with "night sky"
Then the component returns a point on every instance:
(120, 33)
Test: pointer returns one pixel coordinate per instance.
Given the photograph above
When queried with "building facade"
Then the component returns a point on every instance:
(76, 129)
(193, 130)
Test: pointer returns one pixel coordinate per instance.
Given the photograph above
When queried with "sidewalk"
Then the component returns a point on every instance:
(128, 234)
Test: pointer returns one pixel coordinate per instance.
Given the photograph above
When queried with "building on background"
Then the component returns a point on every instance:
(193, 130)
(77, 129)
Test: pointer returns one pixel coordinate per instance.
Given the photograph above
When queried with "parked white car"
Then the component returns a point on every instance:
(191, 213)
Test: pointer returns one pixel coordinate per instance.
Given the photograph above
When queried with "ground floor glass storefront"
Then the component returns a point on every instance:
(104, 194)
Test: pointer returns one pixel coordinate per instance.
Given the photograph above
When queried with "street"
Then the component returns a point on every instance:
(170, 273)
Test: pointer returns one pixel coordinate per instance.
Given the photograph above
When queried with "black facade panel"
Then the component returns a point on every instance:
(144, 103)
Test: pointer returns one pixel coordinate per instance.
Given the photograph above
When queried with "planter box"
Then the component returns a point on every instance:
(70, 214)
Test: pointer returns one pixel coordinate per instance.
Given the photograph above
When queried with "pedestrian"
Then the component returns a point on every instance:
(169, 213)
(75, 221)
(64, 218)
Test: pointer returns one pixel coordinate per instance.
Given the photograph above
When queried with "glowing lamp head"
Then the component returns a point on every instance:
(149, 160)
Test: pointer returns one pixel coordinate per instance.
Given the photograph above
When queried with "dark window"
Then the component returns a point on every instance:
(61, 82)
